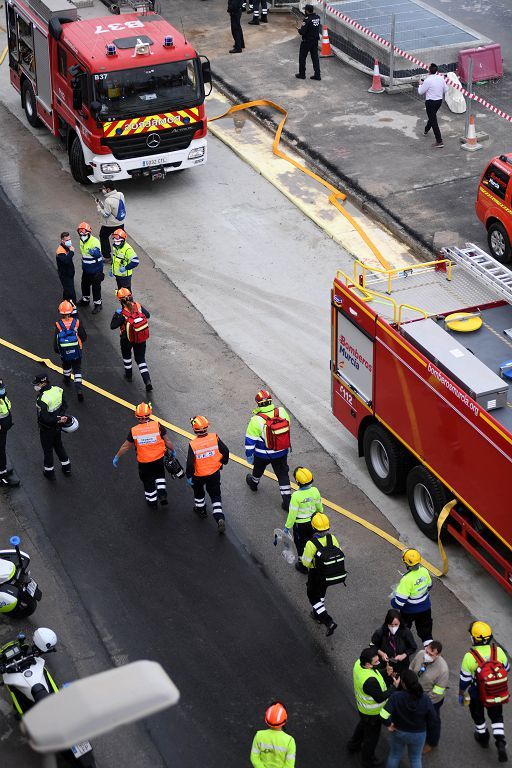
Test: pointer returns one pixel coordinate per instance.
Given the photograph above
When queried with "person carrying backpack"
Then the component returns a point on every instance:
(484, 675)
(113, 215)
(124, 260)
(326, 565)
(132, 320)
(68, 342)
(267, 441)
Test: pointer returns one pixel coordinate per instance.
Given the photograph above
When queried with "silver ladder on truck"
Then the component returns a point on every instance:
(484, 267)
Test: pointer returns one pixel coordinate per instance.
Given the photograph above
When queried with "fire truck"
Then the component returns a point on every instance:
(425, 392)
(126, 97)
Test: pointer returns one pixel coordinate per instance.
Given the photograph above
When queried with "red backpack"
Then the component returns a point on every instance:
(491, 678)
(277, 431)
(137, 326)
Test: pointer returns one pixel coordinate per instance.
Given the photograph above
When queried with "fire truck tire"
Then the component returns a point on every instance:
(28, 101)
(79, 170)
(499, 243)
(385, 458)
(426, 496)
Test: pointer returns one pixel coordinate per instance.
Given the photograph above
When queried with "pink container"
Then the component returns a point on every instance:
(487, 63)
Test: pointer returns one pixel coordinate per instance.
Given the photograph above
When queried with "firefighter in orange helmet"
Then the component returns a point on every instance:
(124, 260)
(68, 342)
(132, 320)
(207, 454)
(273, 747)
(151, 442)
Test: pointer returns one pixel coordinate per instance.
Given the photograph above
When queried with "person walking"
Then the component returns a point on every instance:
(273, 748)
(65, 267)
(6, 479)
(412, 596)
(433, 88)
(51, 418)
(325, 562)
(408, 714)
(371, 693)
(132, 320)
(235, 14)
(68, 341)
(92, 267)
(207, 454)
(394, 643)
(310, 33)
(433, 674)
(267, 441)
(113, 215)
(124, 260)
(486, 684)
(304, 503)
(256, 12)
(151, 443)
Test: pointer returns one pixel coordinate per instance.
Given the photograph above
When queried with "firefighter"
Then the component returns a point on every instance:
(124, 260)
(151, 442)
(51, 417)
(412, 596)
(68, 342)
(6, 480)
(65, 267)
(273, 747)
(304, 504)
(256, 11)
(482, 697)
(131, 319)
(92, 267)
(207, 454)
(257, 450)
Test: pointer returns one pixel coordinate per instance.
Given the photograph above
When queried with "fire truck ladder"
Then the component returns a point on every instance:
(485, 267)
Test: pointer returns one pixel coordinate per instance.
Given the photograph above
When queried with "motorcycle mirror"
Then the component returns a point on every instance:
(21, 636)
(15, 541)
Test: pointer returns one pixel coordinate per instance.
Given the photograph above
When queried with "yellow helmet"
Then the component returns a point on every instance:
(481, 631)
(303, 476)
(411, 557)
(320, 522)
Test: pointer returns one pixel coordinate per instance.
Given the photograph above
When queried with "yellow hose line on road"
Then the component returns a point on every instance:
(238, 460)
(336, 196)
(3, 55)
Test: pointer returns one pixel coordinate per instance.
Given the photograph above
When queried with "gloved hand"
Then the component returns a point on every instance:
(249, 456)
(122, 269)
(118, 311)
(190, 482)
(173, 453)
(115, 461)
(110, 273)
(286, 531)
(461, 699)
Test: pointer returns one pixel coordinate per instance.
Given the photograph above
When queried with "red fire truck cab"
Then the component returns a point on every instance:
(126, 97)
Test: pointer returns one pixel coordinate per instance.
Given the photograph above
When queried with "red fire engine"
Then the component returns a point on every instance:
(126, 97)
(426, 393)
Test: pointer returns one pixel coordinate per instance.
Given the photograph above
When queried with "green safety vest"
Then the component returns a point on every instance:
(304, 503)
(52, 398)
(120, 258)
(5, 407)
(273, 749)
(365, 704)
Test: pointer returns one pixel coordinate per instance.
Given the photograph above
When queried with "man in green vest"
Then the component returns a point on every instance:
(51, 407)
(273, 748)
(304, 503)
(412, 596)
(124, 260)
(6, 481)
(371, 694)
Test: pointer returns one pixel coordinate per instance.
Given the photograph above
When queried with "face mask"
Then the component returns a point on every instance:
(117, 243)
(428, 657)
(68, 243)
(83, 238)
(37, 387)
(2, 391)
(393, 630)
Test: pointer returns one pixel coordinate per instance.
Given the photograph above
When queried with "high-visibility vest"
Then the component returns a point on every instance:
(52, 398)
(412, 592)
(148, 441)
(120, 258)
(365, 704)
(5, 407)
(275, 749)
(207, 457)
(304, 503)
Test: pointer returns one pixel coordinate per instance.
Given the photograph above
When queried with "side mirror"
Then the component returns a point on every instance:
(206, 71)
(95, 108)
(77, 96)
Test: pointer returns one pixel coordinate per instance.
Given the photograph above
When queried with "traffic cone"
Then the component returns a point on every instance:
(326, 45)
(471, 144)
(376, 81)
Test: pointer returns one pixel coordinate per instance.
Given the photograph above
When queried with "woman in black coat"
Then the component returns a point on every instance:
(395, 644)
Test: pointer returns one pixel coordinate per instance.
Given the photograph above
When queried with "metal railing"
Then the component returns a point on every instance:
(375, 274)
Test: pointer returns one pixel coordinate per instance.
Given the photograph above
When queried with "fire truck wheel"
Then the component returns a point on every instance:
(28, 100)
(499, 243)
(426, 496)
(385, 458)
(79, 170)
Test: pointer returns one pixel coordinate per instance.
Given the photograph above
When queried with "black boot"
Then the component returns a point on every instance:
(128, 375)
(49, 474)
(250, 482)
(149, 386)
(255, 22)
(8, 482)
(501, 746)
(201, 511)
(66, 470)
(97, 308)
(162, 498)
(482, 739)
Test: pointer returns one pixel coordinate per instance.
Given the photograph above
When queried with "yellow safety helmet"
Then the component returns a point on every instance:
(411, 557)
(303, 476)
(320, 522)
(480, 630)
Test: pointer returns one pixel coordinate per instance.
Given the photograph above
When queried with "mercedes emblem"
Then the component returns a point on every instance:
(153, 140)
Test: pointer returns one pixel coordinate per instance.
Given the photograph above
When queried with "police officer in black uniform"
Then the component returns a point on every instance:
(310, 33)
(235, 13)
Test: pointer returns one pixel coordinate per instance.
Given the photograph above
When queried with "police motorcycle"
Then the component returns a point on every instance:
(24, 673)
(19, 593)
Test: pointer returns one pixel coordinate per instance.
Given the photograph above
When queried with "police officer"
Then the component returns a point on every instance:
(310, 33)
(235, 15)
(257, 451)
(273, 747)
(207, 454)
(124, 260)
(6, 481)
(256, 12)
(482, 649)
(132, 310)
(151, 442)
(412, 596)
(65, 267)
(51, 417)
(68, 341)
(304, 504)
(92, 267)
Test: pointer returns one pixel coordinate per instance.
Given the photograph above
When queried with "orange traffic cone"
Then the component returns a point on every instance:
(376, 81)
(471, 144)
(326, 45)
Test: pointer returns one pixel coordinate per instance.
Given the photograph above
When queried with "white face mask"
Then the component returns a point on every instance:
(68, 243)
(428, 657)
(37, 387)
(83, 238)
(393, 630)
(118, 243)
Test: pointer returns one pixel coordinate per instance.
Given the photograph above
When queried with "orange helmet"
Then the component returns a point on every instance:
(84, 227)
(143, 411)
(123, 293)
(119, 233)
(200, 424)
(263, 397)
(276, 715)
(66, 307)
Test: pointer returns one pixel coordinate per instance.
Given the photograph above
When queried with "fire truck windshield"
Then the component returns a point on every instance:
(147, 89)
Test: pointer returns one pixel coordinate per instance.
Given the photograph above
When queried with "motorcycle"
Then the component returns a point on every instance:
(24, 673)
(19, 593)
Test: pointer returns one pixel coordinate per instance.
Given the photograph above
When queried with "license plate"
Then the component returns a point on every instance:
(31, 587)
(81, 749)
(153, 161)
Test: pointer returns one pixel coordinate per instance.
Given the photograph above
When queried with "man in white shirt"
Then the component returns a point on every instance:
(434, 88)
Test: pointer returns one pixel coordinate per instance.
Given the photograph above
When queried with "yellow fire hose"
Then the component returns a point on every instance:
(3, 55)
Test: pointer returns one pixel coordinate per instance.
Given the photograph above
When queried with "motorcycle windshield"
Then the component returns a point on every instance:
(7, 570)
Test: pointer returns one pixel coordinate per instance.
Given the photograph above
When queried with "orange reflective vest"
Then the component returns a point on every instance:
(208, 458)
(148, 442)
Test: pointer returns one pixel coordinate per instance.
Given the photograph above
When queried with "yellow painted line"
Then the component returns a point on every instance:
(237, 459)
(3, 55)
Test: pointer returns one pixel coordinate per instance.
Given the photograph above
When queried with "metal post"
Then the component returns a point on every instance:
(324, 15)
(392, 51)
(468, 100)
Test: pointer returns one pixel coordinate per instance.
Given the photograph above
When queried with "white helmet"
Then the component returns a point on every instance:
(44, 638)
(71, 425)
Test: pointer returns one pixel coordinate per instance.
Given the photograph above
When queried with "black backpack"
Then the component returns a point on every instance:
(330, 561)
